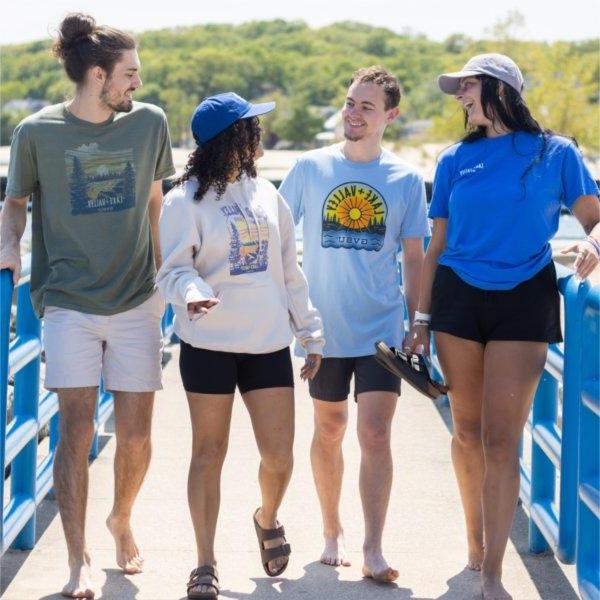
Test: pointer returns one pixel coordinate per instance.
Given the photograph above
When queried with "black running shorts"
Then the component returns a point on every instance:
(528, 312)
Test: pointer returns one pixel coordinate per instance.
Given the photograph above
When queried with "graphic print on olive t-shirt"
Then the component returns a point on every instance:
(249, 244)
(100, 181)
(354, 216)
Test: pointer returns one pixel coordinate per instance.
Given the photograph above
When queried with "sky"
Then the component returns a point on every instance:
(26, 20)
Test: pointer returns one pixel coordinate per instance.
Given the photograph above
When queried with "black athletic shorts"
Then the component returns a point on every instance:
(332, 381)
(212, 372)
(530, 312)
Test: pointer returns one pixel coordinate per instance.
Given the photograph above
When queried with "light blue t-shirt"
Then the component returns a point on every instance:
(354, 217)
(503, 204)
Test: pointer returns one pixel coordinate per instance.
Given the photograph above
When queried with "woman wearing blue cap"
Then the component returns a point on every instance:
(230, 271)
(488, 288)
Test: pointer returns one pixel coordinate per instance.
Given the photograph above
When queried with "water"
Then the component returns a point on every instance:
(569, 229)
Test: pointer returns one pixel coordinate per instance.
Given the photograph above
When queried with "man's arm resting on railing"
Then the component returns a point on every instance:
(13, 219)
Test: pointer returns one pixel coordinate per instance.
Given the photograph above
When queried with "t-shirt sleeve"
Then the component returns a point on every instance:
(22, 168)
(441, 189)
(164, 160)
(415, 222)
(576, 178)
(291, 191)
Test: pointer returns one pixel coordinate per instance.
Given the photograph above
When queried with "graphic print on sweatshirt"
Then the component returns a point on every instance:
(354, 216)
(100, 181)
(249, 244)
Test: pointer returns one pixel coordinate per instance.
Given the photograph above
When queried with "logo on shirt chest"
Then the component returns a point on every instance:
(471, 170)
(100, 181)
(354, 217)
(249, 245)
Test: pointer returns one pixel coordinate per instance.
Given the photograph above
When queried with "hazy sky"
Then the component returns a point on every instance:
(24, 20)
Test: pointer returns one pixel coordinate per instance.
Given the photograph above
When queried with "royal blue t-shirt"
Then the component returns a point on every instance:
(503, 204)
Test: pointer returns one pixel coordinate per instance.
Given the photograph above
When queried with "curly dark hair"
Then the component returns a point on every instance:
(230, 152)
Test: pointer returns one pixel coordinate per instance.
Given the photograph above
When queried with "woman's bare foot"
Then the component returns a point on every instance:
(376, 567)
(80, 580)
(475, 559)
(335, 553)
(492, 588)
(128, 554)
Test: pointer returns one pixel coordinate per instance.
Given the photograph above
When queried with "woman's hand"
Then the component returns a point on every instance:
(310, 367)
(196, 309)
(417, 339)
(587, 257)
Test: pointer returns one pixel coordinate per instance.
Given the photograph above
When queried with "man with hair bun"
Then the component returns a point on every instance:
(94, 167)
(360, 204)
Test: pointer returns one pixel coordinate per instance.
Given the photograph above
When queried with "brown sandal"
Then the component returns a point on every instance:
(269, 554)
(204, 575)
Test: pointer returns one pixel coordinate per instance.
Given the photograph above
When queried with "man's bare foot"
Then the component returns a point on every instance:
(80, 580)
(492, 588)
(278, 563)
(475, 558)
(377, 568)
(128, 554)
(335, 553)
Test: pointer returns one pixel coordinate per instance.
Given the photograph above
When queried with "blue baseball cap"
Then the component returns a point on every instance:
(216, 113)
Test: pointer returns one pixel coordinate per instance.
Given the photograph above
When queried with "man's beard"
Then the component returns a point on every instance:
(353, 138)
(124, 106)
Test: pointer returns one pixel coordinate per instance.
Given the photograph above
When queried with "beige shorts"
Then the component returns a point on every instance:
(126, 348)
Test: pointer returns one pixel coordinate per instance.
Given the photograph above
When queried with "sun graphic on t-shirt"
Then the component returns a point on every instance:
(355, 212)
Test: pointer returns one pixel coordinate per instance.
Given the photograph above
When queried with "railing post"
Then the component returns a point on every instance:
(6, 292)
(543, 474)
(588, 484)
(574, 293)
(27, 392)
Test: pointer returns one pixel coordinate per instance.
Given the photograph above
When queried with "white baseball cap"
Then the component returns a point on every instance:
(495, 65)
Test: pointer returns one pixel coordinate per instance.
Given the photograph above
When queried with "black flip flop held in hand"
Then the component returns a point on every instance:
(412, 368)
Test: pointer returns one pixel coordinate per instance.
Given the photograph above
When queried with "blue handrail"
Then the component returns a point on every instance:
(20, 358)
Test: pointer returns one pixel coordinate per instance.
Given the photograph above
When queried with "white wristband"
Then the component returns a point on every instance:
(419, 316)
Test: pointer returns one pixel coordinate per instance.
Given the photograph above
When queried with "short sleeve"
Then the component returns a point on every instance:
(441, 189)
(414, 223)
(576, 178)
(164, 160)
(291, 191)
(22, 168)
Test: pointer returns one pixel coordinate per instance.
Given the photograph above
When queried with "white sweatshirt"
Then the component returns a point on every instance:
(240, 249)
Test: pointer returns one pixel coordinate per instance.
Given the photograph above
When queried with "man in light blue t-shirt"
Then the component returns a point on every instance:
(359, 204)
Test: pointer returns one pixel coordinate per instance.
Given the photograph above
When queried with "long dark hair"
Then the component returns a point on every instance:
(81, 44)
(231, 151)
(512, 112)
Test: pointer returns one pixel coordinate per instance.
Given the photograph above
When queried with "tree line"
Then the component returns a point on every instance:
(306, 71)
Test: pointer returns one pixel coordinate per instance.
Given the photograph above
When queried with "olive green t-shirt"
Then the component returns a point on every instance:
(91, 240)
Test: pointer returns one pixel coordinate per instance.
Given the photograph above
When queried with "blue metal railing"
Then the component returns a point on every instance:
(564, 518)
(20, 359)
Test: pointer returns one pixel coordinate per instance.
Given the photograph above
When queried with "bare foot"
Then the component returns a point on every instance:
(492, 588)
(335, 553)
(128, 554)
(80, 580)
(377, 568)
(277, 564)
(475, 559)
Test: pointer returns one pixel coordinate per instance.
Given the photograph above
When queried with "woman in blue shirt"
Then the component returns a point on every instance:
(489, 290)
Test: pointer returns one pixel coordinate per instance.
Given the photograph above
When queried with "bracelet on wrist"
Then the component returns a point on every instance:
(419, 316)
(594, 242)
(421, 323)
